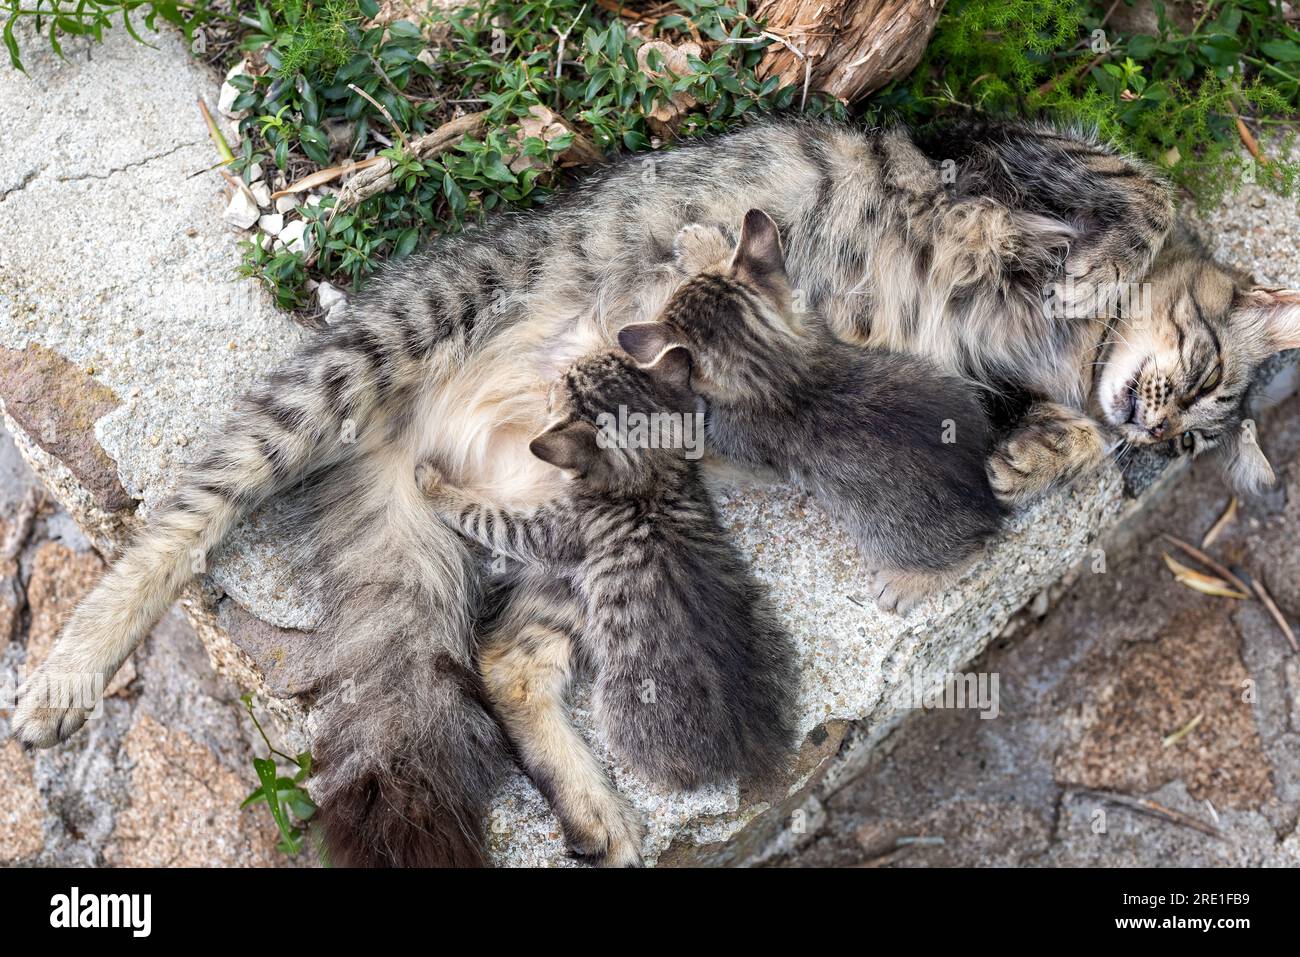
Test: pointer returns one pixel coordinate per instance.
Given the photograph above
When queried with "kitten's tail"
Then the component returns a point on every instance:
(297, 420)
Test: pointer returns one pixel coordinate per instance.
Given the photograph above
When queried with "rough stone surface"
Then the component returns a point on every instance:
(57, 405)
(22, 813)
(1089, 693)
(170, 333)
(184, 810)
(159, 775)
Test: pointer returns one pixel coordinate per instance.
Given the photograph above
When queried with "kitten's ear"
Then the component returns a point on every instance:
(673, 368)
(1278, 310)
(759, 254)
(1244, 463)
(571, 446)
(643, 341)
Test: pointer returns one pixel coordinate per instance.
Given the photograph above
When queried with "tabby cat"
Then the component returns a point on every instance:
(896, 450)
(943, 246)
(628, 569)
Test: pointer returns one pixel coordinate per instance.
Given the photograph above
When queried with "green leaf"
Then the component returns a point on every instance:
(11, 43)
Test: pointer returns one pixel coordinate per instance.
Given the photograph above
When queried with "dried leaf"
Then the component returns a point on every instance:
(1206, 584)
(1227, 518)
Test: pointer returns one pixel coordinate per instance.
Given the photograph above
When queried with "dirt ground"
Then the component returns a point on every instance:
(1093, 695)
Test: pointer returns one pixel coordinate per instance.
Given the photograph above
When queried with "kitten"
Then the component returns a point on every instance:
(895, 449)
(629, 565)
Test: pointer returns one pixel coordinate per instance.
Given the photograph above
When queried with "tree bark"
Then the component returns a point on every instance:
(853, 46)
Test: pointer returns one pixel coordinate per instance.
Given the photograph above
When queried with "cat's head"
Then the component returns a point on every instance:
(618, 426)
(1178, 362)
(735, 317)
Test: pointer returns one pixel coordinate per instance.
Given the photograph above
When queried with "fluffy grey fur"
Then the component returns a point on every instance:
(694, 678)
(894, 448)
(449, 354)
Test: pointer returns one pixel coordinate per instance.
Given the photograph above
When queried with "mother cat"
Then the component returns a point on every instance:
(449, 355)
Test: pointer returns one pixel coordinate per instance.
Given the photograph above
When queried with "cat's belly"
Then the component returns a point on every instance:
(479, 423)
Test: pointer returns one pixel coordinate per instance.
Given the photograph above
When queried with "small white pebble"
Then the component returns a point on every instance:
(294, 236)
(329, 296)
(241, 211)
(261, 193)
(286, 204)
(271, 223)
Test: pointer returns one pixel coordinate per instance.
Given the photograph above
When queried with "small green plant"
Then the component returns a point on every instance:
(1175, 95)
(328, 65)
(291, 807)
(59, 19)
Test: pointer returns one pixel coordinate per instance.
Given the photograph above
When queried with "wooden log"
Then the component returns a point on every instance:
(846, 48)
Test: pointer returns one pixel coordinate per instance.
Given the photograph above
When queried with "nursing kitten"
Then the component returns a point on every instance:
(895, 449)
(630, 569)
(448, 353)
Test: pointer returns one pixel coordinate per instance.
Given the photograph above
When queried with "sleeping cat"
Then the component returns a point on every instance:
(895, 450)
(628, 568)
(449, 353)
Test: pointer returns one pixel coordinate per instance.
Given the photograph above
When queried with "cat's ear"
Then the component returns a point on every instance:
(571, 446)
(673, 368)
(643, 341)
(1244, 463)
(758, 254)
(1278, 311)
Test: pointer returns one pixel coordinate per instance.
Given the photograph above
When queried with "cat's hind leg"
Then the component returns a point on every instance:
(528, 663)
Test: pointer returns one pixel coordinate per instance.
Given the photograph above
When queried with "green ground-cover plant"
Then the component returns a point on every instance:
(291, 807)
(1183, 84)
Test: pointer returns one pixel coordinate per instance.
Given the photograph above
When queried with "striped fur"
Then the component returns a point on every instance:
(630, 569)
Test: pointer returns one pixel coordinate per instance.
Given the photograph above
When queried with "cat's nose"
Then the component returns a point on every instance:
(1160, 429)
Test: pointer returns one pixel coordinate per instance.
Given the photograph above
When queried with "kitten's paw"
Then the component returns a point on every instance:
(697, 247)
(1052, 446)
(899, 591)
(50, 710)
(608, 834)
(428, 478)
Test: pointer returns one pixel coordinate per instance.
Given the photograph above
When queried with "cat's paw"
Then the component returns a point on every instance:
(428, 479)
(1052, 446)
(49, 709)
(697, 247)
(899, 591)
(607, 833)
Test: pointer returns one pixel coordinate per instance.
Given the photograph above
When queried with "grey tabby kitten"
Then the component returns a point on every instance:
(450, 353)
(628, 569)
(894, 448)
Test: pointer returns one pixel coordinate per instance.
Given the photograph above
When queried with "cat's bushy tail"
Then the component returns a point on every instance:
(405, 755)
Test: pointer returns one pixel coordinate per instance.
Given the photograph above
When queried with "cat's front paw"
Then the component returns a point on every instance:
(697, 247)
(899, 591)
(608, 833)
(1052, 446)
(51, 707)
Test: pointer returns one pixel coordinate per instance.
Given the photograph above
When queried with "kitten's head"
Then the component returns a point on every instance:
(1179, 365)
(736, 318)
(617, 426)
